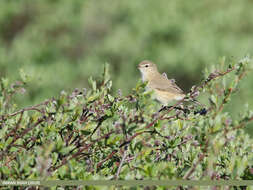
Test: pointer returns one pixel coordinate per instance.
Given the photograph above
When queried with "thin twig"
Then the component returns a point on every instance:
(40, 120)
(107, 158)
(66, 159)
(34, 108)
(190, 172)
(30, 108)
(201, 157)
(242, 124)
(121, 163)
(16, 128)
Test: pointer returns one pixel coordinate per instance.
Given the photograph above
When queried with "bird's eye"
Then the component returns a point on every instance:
(146, 65)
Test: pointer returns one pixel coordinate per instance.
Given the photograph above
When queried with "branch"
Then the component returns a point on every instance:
(107, 158)
(40, 120)
(121, 163)
(190, 172)
(34, 108)
(242, 124)
(16, 128)
(65, 160)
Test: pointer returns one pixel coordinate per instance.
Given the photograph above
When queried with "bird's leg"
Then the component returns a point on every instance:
(185, 110)
(163, 108)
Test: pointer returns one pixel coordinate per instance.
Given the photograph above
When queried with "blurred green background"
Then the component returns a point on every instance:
(61, 43)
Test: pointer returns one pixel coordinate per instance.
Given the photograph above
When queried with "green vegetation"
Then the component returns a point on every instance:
(62, 43)
(97, 135)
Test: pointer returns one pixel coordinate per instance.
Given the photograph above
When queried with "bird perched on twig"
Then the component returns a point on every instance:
(165, 90)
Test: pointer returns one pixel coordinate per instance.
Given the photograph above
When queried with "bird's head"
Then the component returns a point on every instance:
(147, 69)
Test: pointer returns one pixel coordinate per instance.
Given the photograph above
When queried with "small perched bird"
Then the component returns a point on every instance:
(165, 90)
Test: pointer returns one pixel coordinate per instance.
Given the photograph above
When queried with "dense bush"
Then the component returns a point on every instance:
(93, 134)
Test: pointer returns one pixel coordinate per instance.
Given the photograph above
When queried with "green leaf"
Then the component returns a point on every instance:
(92, 83)
(106, 75)
(85, 132)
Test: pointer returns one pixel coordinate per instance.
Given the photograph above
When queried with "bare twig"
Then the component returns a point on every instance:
(121, 164)
(34, 108)
(31, 108)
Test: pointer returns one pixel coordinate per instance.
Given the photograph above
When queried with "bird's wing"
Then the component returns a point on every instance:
(166, 85)
(165, 76)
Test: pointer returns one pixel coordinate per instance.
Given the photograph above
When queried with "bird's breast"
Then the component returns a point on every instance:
(165, 97)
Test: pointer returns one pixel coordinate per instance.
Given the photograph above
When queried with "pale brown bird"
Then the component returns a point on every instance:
(165, 90)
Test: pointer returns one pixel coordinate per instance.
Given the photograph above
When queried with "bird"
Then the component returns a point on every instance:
(165, 90)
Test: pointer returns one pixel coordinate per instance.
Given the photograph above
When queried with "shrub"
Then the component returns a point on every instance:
(93, 134)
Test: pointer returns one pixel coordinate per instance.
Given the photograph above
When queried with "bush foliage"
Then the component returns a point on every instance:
(94, 134)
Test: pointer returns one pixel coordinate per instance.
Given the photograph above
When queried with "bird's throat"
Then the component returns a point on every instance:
(147, 76)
